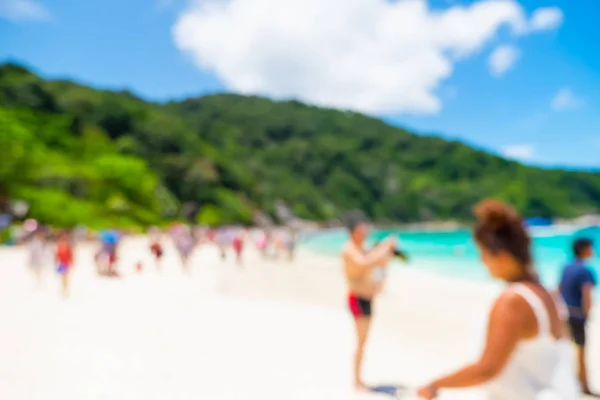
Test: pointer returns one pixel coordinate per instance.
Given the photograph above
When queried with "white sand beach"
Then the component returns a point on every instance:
(268, 330)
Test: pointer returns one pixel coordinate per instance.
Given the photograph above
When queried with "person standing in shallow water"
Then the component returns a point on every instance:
(527, 354)
(576, 287)
(360, 267)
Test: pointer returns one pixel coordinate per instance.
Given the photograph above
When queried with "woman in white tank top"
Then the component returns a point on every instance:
(527, 355)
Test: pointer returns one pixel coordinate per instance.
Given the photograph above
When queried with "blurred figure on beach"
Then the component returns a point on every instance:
(262, 243)
(526, 354)
(576, 287)
(238, 245)
(222, 239)
(64, 261)
(199, 235)
(109, 242)
(291, 244)
(37, 255)
(211, 235)
(360, 268)
(280, 244)
(156, 248)
(80, 233)
(99, 257)
(184, 243)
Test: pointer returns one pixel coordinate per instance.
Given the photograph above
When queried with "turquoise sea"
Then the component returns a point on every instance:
(453, 253)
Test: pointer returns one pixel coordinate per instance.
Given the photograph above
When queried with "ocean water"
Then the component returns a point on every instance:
(453, 253)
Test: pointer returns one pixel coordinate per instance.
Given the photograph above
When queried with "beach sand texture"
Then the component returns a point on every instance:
(268, 330)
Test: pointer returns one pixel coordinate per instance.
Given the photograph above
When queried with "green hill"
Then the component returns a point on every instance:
(83, 155)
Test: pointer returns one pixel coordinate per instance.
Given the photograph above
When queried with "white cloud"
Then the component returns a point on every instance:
(376, 56)
(546, 19)
(565, 100)
(521, 152)
(23, 10)
(503, 59)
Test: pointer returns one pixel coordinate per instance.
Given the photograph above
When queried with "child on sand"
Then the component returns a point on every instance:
(64, 261)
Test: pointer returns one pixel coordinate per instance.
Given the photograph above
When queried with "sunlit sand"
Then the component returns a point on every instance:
(267, 330)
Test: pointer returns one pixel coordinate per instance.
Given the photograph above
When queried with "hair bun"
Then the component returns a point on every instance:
(495, 214)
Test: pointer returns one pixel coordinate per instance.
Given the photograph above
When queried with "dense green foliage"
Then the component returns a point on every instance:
(85, 155)
(69, 171)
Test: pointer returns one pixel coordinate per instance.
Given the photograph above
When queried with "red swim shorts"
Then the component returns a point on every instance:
(359, 306)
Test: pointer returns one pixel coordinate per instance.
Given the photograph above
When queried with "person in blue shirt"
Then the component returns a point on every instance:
(576, 286)
(110, 240)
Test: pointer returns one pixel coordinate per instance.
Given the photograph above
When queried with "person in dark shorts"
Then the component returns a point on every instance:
(359, 307)
(360, 268)
(576, 287)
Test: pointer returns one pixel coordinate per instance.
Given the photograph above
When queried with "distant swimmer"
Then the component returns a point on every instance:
(363, 274)
(526, 353)
(64, 261)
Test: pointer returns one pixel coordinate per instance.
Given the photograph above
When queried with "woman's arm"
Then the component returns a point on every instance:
(506, 324)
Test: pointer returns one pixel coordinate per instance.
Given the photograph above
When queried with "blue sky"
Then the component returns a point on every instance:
(541, 108)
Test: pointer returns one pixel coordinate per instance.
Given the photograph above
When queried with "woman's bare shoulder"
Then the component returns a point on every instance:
(510, 303)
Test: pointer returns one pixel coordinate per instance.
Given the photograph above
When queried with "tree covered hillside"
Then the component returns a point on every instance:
(83, 155)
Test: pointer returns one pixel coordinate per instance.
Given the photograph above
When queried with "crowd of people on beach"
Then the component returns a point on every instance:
(49, 246)
(527, 352)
